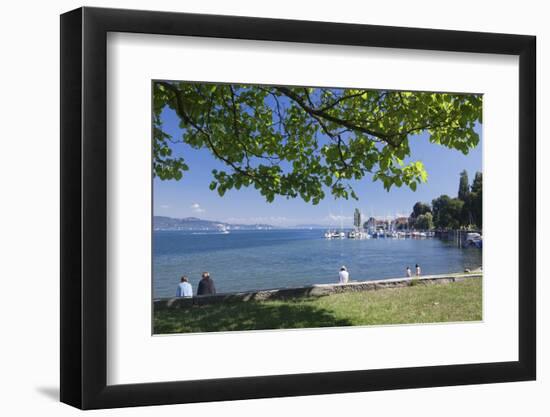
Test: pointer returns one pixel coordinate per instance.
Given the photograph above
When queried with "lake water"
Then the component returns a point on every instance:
(263, 259)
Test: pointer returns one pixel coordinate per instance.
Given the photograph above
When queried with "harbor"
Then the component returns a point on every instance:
(379, 234)
(401, 227)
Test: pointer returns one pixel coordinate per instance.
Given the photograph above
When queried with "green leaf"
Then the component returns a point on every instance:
(291, 151)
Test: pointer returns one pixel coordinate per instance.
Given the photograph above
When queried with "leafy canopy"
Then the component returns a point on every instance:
(447, 212)
(302, 142)
(424, 222)
(419, 209)
(463, 186)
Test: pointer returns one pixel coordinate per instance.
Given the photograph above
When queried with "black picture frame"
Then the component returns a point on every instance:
(84, 207)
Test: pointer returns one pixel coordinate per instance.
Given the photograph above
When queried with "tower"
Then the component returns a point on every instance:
(357, 219)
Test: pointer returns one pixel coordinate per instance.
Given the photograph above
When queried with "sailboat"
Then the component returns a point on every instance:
(341, 234)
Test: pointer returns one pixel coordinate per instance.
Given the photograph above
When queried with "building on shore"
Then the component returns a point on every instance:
(401, 223)
(374, 225)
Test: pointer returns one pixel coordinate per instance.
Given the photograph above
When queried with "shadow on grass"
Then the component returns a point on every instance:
(251, 315)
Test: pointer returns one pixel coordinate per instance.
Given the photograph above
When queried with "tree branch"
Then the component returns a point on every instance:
(319, 113)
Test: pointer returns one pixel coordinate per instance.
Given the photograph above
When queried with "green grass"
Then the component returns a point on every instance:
(458, 301)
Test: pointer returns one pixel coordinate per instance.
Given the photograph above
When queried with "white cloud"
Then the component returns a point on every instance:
(196, 207)
(164, 206)
(272, 220)
(338, 218)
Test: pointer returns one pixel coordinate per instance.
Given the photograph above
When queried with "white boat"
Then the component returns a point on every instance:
(223, 229)
(356, 234)
(474, 240)
(334, 235)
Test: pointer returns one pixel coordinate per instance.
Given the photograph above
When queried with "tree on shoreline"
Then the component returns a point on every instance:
(447, 212)
(465, 196)
(420, 208)
(424, 222)
(472, 198)
(476, 200)
(299, 142)
(421, 216)
(463, 186)
(452, 213)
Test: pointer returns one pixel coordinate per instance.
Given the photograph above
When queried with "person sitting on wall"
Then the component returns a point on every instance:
(184, 288)
(206, 285)
(343, 275)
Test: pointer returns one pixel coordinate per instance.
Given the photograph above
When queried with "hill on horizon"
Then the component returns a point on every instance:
(195, 223)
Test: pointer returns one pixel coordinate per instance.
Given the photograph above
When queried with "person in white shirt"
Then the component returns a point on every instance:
(344, 275)
(408, 272)
(184, 288)
(418, 270)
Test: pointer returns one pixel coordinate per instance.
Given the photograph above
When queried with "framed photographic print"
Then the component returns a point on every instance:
(257, 208)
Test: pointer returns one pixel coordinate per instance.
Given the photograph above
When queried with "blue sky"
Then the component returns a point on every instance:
(191, 197)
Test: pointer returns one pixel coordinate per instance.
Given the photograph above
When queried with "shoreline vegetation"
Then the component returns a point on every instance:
(457, 298)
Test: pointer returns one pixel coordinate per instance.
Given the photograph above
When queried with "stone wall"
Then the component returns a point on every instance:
(316, 290)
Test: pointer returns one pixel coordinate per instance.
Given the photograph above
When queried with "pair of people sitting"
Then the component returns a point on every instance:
(206, 286)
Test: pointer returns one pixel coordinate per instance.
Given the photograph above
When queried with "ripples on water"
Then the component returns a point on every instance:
(261, 259)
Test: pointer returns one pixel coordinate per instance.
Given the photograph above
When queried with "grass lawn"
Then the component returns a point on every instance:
(458, 301)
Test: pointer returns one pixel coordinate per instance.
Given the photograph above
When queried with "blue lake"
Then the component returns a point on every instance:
(262, 259)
